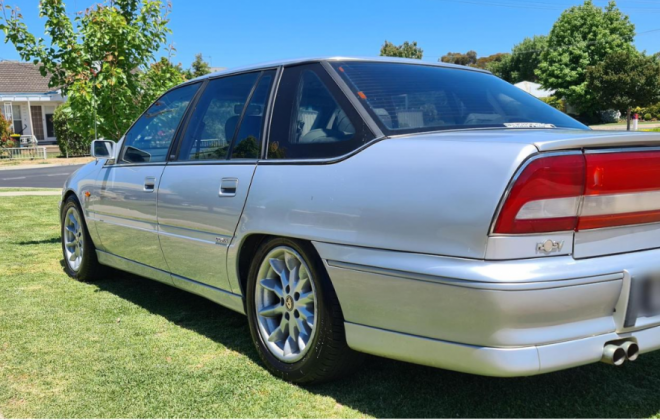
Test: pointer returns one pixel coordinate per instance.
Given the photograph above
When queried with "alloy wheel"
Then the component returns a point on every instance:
(74, 239)
(285, 301)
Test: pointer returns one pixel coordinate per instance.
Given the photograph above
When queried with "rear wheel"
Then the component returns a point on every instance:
(294, 314)
(80, 260)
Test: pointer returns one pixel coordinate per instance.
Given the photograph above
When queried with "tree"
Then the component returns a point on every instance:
(582, 37)
(103, 60)
(491, 61)
(523, 61)
(625, 79)
(467, 59)
(405, 50)
(200, 67)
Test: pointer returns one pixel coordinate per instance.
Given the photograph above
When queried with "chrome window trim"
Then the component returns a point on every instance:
(516, 175)
(321, 161)
(268, 113)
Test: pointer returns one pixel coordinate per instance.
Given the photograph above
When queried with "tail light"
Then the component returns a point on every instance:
(579, 192)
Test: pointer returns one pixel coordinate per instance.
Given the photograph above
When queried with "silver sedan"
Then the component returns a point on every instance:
(418, 211)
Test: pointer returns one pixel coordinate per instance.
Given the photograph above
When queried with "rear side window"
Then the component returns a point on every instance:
(148, 141)
(312, 119)
(406, 98)
(216, 117)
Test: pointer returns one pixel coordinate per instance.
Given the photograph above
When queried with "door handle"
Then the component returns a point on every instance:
(149, 184)
(228, 187)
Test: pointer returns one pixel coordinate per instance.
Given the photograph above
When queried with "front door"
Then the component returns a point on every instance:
(202, 194)
(37, 122)
(124, 202)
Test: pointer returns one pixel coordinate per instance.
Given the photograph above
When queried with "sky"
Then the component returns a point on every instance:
(232, 33)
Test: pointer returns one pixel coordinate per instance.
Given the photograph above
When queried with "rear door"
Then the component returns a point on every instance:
(203, 191)
(124, 199)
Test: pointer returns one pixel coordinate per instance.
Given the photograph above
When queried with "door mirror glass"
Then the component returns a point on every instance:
(103, 149)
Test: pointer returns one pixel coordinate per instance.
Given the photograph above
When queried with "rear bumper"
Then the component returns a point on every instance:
(489, 361)
(503, 318)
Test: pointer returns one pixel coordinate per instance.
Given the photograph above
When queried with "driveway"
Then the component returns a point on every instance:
(50, 177)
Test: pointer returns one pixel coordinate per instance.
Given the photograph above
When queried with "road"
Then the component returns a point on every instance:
(52, 177)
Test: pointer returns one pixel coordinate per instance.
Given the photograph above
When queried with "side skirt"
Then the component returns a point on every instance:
(219, 296)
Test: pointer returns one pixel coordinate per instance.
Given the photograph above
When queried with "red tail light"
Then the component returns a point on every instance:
(578, 192)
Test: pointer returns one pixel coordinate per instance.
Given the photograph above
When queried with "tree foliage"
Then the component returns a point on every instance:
(198, 68)
(405, 50)
(582, 37)
(103, 60)
(471, 59)
(467, 59)
(69, 142)
(625, 79)
(523, 61)
(5, 131)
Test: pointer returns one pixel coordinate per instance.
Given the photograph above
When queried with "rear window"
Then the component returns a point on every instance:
(408, 98)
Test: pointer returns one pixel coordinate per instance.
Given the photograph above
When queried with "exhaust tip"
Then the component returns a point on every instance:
(614, 355)
(632, 350)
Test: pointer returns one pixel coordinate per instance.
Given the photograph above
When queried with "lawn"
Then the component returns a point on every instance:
(129, 347)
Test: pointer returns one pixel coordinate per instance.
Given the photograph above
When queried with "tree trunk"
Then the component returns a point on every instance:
(628, 117)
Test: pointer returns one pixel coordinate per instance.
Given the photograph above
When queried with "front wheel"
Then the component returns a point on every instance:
(295, 318)
(77, 248)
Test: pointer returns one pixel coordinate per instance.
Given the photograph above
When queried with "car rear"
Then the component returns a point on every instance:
(565, 270)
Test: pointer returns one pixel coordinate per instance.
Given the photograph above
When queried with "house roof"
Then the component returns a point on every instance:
(18, 77)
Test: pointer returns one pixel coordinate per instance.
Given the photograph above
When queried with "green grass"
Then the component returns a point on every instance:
(129, 347)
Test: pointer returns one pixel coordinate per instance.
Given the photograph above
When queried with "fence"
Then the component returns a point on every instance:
(18, 153)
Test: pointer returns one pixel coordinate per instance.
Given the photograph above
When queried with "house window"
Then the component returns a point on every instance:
(18, 119)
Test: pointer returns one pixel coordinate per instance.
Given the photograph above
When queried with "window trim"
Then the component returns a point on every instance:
(336, 91)
(120, 155)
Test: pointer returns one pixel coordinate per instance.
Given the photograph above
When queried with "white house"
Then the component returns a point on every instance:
(27, 101)
(534, 89)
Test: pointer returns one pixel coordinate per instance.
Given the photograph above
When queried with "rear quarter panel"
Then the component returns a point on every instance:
(414, 194)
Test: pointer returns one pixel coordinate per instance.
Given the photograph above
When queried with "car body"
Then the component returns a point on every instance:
(402, 205)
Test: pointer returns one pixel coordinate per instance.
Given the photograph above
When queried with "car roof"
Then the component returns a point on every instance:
(318, 59)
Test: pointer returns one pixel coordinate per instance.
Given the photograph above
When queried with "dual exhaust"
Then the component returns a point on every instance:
(617, 354)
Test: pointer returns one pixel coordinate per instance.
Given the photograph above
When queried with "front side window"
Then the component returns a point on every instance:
(408, 98)
(214, 122)
(312, 119)
(148, 141)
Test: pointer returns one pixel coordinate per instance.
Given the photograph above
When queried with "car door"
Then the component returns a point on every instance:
(124, 202)
(203, 191)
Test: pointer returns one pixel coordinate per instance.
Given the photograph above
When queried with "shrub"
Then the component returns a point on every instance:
(5, 133)
(647, 117)
(69, 142)
(610, 116)
(555, 102)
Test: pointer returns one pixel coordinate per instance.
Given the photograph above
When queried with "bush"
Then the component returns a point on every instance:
(5, 133)
(610, 116)
(555, 102)
(70, 143)
(648, 117)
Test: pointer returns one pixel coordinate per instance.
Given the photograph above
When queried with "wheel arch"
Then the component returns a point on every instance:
(248, 248)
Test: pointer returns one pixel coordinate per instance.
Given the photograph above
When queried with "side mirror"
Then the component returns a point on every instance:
(103, 149)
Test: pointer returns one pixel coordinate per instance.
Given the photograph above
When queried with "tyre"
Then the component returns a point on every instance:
(295, 319)
(79, 253)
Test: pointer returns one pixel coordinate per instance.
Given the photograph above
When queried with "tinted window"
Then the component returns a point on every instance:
(312, 119)
(216, 116)
(413, 98)
(247, 143)
(150, 137)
